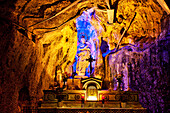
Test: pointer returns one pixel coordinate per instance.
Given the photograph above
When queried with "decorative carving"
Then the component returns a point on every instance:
(49, 95)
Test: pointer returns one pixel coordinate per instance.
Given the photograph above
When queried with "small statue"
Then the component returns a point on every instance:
(119, 80)
(65, 77)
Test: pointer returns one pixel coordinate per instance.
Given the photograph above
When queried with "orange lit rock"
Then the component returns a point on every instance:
(31, 64)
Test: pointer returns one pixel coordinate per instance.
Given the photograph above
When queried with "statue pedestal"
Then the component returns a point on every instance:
(79, 76)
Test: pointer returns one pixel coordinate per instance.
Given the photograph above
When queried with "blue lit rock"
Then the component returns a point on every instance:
(28, 63)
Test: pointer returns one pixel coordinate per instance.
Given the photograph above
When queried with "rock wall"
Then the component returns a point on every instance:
(148, 69)
(28, 59)
(20, 64)
(27, 67)
(153, 81)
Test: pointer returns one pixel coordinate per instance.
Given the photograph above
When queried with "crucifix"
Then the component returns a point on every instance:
(90, 60)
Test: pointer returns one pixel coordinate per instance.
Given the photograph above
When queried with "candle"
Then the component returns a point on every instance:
(82, 97)
(103, 97)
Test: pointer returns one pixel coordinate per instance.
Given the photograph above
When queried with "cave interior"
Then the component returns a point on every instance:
(56, 52)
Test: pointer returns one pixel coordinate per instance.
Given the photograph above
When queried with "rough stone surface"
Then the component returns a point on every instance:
(148, 69)
(29, 54)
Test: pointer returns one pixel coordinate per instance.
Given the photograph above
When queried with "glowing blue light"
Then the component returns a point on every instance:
(85, 34)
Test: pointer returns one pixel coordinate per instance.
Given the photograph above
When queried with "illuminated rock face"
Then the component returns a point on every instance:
(147, 69)
(85, 46)
(145, 24)
(88, 44)
(28, 63)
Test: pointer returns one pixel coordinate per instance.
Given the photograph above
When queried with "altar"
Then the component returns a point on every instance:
(105, 101)
(88, 93)
(92, 82)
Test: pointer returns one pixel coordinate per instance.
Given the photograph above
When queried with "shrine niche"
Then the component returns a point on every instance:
(87, 45)
(92, 93)
(92, 85)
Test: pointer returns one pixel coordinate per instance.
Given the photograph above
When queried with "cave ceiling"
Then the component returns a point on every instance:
(52, 23)
(41, 16)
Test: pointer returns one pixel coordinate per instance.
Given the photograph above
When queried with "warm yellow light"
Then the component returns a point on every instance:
(93, 98)
(164, 6)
